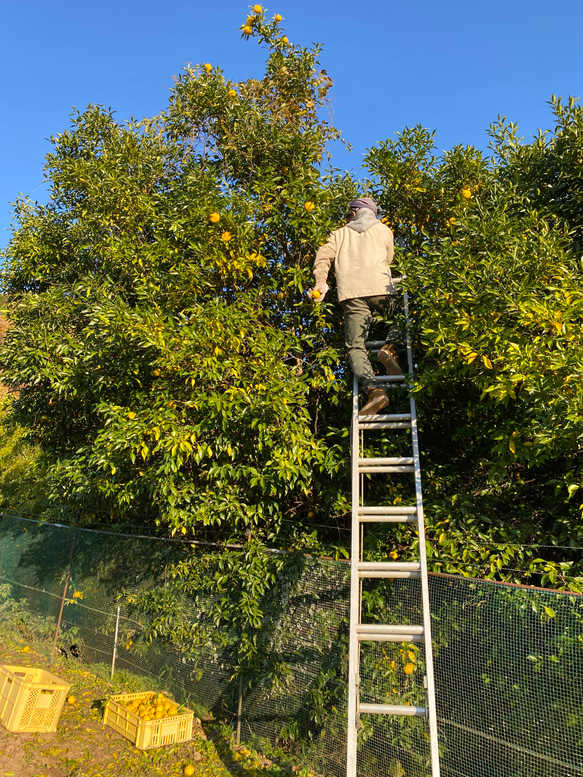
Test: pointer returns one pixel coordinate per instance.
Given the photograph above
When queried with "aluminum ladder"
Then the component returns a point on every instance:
(362, 570)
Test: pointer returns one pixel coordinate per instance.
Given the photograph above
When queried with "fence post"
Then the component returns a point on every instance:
(239, 710)
(67, 576)
(115, 642)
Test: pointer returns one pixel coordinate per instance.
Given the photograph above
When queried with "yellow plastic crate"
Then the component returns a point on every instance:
(30, 699)
(146, 733)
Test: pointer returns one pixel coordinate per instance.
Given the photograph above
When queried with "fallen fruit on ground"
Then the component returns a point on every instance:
(71, 699)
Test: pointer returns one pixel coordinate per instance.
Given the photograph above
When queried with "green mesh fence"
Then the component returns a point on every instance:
(508, 659)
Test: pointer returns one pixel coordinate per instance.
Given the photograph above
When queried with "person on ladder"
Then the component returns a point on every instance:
(363, 252)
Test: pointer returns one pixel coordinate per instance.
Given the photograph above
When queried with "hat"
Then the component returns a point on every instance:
(364, 202)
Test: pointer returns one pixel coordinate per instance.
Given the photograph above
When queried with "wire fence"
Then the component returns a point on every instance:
(508, 659)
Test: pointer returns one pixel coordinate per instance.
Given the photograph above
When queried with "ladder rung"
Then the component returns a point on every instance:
(389, 628)
(388, 417)
(392, 709)
(376, 633)
(392, 461)
(390, 378)
(391, 575)
(375, 343)
(389, 569)
(384, 421)
(387, 514)
(363, 470)
(372, 422)
(397, 566)
(382, 509)
(380, 425)
(388, 518)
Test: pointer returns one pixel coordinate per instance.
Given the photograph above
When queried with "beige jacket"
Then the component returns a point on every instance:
(363, 251)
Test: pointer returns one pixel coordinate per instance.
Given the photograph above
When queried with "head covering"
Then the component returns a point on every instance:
(362, 220)
(364, 202)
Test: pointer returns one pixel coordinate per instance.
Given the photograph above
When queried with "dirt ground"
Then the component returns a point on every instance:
(83, 747)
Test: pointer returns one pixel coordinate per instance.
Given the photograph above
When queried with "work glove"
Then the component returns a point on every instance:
(321, 288)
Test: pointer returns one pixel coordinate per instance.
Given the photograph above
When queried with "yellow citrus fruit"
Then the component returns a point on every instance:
(189, 770)
(25, 649)
(451, 221)
(77, 595)
(247, 29)
(208, 67)
(309, 206)
(285, 40)
(281, 295)
(408, 668)
(215, 217)
(156, 373)
(466, 192)
(311, 514)
(226, 236)
(315, 294)
(257, 8)
(232, 93)
(71, 699)
(278, 17)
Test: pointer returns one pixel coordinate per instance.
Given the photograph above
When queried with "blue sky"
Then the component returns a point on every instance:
(451, 66)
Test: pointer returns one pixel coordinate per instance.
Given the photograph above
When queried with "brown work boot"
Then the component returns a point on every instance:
(377, 399)
(388, 358)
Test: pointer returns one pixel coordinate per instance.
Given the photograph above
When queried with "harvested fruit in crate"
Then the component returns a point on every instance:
(148, 719)
(154, 706)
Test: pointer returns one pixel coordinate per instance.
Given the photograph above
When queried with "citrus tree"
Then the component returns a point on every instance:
(173, 373)
(167, 360)
(492, 248)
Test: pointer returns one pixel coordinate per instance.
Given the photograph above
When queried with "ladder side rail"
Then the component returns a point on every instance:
(430, 690)
(354, 648)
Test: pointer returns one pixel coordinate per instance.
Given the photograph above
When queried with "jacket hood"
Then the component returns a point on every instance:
(363, 220)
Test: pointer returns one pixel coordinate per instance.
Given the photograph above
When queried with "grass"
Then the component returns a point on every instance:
(83, 747)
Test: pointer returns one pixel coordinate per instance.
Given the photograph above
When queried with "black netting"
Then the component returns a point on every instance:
(508, 659)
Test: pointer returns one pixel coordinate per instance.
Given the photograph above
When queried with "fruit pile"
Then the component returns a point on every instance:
(152, 706)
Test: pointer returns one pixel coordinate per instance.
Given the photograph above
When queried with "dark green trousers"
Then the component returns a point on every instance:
(358, 316)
